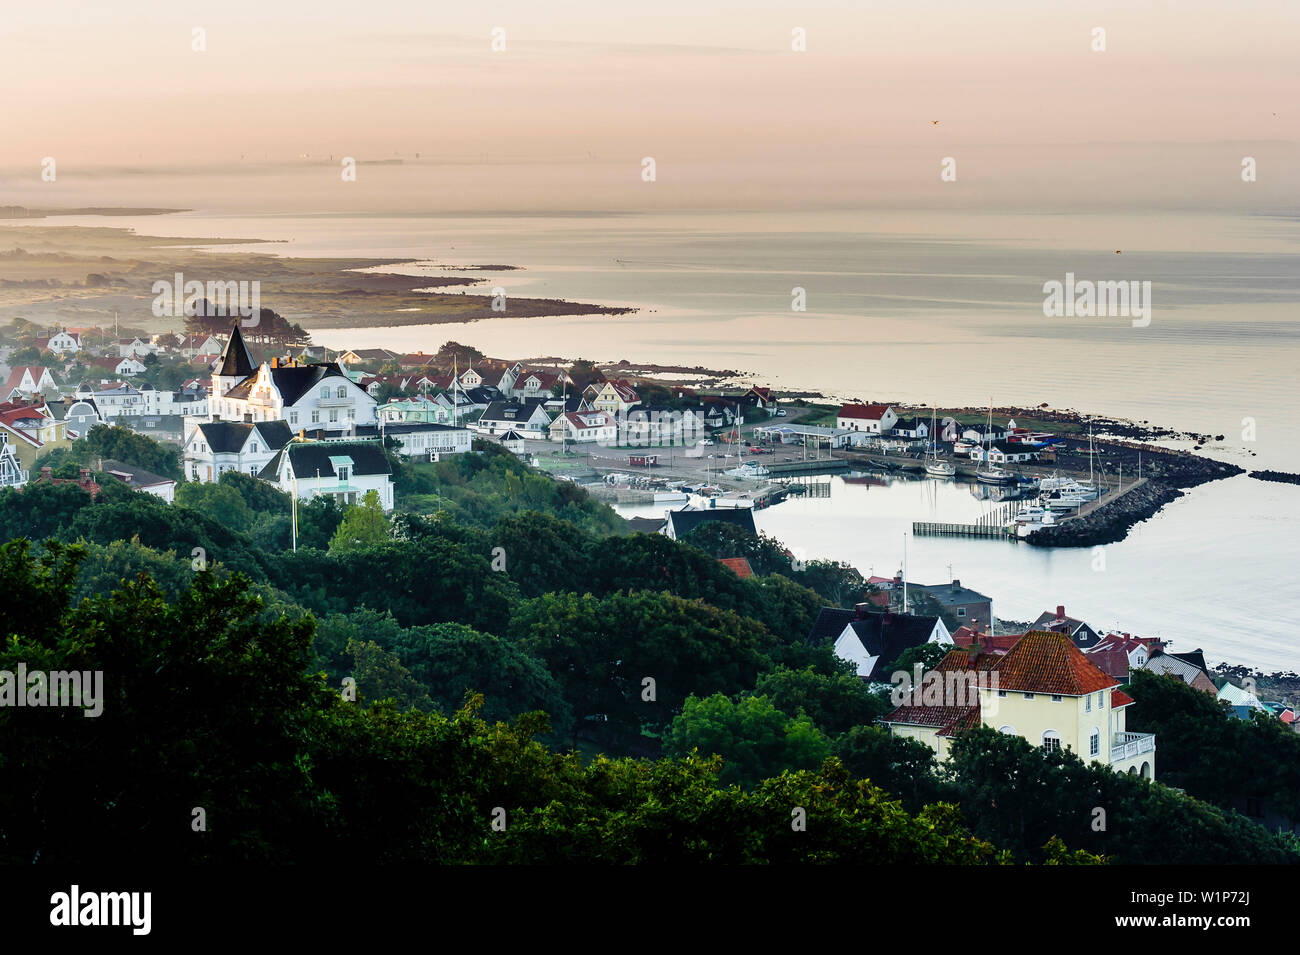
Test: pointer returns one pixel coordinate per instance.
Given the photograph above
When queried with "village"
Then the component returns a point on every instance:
(315, 424)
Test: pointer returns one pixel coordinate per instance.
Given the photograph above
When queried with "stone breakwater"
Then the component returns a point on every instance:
(1168, 474)
(1282, 477)
(1110, 523)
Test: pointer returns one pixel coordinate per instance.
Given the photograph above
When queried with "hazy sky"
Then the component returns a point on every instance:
(713, 91)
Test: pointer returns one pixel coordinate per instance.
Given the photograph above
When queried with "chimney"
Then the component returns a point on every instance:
(47, 474)
(861, 610)
(1060, 611)
(956, 585)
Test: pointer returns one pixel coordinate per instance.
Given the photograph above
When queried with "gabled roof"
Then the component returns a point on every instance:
(586, 420)
(886, 635)
(229, 437)
(1168, 665)
(959, 708)
(521, 410)
(866, 412)
(292, 381)
(235, 359)
(737, 565)
(306, 458)
(1046, 662)
(953, 594)
(830, 623)
(134, 476)
(684, 521)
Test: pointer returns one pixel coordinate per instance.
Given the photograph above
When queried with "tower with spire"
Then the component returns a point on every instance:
(235, 365)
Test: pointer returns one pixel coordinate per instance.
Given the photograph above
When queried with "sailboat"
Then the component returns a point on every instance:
(991, 473)
(933, 466)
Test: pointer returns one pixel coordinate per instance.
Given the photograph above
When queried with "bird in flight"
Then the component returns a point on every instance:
(934, 122)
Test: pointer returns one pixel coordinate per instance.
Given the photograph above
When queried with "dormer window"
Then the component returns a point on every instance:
(342, 392)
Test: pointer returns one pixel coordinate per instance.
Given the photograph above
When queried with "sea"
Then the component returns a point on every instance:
(928, 307)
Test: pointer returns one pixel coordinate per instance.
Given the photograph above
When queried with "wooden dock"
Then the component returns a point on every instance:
(931, 529)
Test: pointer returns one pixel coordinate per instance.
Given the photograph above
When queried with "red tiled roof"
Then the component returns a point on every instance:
(958, 710)
(1119, 698)
(870, 412)
(1046, 662)
(739, 565)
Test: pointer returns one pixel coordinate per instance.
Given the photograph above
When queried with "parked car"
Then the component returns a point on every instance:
(781, 413)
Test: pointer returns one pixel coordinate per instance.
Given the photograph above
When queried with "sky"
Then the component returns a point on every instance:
(582, 92)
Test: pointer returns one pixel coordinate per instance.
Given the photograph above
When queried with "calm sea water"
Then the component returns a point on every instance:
(931, 307)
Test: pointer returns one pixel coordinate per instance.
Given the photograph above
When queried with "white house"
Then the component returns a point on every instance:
(999, 453)
(135, 348)
(537, 384)
(913, 428)
(427, 440)
(214, 447)
(344, 470)
(873, 419)
(64, 343)
(876, 639)
(585, 427)
(529, 418)
(315, 397)
(115, 400)
(123, 366)
(645, 426)
(27, 380)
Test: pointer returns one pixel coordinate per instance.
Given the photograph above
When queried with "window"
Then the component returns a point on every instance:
(1009, 730)
(1052, 741)
(342, 392)
(315, 417)
(961, 611)
(334, 414)
(1087, 703)
(1029, 696)
(1002, 693)
(343, 474)
(325, 391)
(1056, 698)
(293, 417)
(1101, 700)
(1094, 742)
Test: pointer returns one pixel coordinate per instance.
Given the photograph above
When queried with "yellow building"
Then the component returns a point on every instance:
(1044, 690)
(32, 432)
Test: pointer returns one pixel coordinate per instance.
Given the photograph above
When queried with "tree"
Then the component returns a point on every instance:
(125, 445)
(834, 702)
(380, 676)
(1021, 796)
(604, 649)
(454, 354)
(755, 740)
(363, 525)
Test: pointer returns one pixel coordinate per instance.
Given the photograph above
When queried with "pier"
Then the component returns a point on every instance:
(931, 529)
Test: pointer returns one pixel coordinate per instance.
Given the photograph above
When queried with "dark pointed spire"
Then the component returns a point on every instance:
(235, 360)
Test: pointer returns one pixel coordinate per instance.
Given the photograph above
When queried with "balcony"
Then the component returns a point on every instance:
(335, 402)
(1128, 745)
